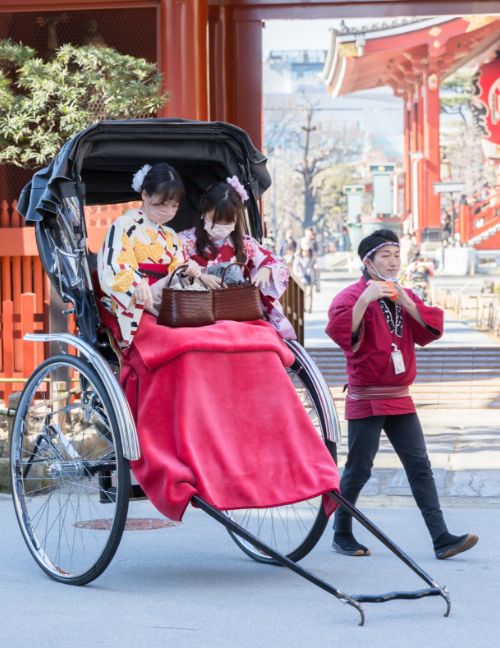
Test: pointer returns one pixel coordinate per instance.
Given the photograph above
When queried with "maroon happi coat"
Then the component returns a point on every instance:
(370, 364)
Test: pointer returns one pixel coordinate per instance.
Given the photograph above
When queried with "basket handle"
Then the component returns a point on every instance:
(181, 277)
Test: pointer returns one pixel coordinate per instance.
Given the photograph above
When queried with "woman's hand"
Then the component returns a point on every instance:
(193, 269)
(210, 281)
(143, 294)
(262, 278)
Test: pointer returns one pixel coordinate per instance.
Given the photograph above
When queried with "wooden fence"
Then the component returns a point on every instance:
(293, 307)
(482, 310)
(18, 358)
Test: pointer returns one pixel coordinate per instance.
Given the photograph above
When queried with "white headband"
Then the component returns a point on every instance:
(377, 247)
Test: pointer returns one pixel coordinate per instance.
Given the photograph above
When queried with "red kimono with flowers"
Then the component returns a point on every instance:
(257, 257)
(368, 355)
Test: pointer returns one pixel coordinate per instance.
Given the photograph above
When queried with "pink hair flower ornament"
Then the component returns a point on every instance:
(238, 187)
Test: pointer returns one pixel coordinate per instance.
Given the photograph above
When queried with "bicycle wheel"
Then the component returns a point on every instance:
(292, 530)
(70, 481)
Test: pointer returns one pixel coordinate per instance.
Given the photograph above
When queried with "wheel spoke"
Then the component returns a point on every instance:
(63, 439)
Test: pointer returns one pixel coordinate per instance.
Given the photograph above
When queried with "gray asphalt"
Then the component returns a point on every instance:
(191, 586)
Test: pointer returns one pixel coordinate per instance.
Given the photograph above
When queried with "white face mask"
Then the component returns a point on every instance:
(219, 230)
(372, 269)
(159, 213)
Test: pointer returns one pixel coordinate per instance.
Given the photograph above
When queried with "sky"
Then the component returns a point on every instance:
(302, 34)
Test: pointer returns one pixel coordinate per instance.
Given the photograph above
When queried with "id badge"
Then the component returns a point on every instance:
(397, 360)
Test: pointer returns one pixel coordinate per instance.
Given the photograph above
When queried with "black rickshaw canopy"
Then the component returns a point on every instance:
(97, 165)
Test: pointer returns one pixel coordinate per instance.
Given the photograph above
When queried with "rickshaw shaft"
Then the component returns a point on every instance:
(283, 560)
(434, 590)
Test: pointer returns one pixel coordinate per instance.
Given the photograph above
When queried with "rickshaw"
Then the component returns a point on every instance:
(73, 434)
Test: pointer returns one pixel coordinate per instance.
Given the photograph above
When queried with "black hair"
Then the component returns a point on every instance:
(228, 208)
(370, 243)
(373, 240)
(163, 180)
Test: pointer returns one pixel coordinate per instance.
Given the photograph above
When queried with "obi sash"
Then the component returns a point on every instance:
(154, 271)
(376, 392)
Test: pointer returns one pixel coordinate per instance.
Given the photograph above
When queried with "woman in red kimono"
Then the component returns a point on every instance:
(218, 237)
(377, 323)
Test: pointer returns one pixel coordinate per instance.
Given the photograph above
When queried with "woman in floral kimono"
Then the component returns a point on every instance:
(140, 248)
(218, 238)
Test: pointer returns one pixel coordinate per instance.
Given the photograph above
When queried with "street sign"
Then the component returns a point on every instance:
(448, 187)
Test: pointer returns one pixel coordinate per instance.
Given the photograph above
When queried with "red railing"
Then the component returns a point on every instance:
(18, 358)
(481, 221)
(25, 292)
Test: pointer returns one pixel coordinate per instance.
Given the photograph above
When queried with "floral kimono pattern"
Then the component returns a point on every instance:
(257, 257)
(132, 241)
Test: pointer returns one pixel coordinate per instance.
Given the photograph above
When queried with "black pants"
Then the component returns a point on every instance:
(405, 434)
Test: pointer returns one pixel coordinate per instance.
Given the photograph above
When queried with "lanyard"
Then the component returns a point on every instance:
(395, 325)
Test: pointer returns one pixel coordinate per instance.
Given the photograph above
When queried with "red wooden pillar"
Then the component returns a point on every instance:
(422, 212)
(236, 70)
(182, 57)
(221, 59)
(464, 222)
(247, 69)
(406, 154)
(431, 151)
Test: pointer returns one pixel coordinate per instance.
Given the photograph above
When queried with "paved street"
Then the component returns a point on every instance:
(191, 586)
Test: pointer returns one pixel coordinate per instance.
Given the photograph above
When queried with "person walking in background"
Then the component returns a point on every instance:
(376, 323)
(288, 247)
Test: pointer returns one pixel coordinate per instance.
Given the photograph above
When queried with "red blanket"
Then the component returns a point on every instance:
(218, 416)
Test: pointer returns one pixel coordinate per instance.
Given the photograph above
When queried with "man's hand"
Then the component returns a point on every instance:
(403, 299)
(377, 290)
(143, 294)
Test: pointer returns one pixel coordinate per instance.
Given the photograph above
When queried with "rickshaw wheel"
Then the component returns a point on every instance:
(70, 481)
(294, 529)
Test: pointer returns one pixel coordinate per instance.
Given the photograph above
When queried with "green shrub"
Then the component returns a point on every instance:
(43, 103)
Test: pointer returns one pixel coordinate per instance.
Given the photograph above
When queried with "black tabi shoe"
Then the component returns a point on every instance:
(448, 545)
(347, 545)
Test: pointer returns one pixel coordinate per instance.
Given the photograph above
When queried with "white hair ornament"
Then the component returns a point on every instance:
(138, 179)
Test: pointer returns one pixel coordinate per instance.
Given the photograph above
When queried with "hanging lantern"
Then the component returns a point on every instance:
(485, 107)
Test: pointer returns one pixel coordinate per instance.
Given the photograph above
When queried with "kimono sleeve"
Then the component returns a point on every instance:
(433, 318)
(262, 258)
(117, 266)
(187, 239)
(339, 327)
(176, 247)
